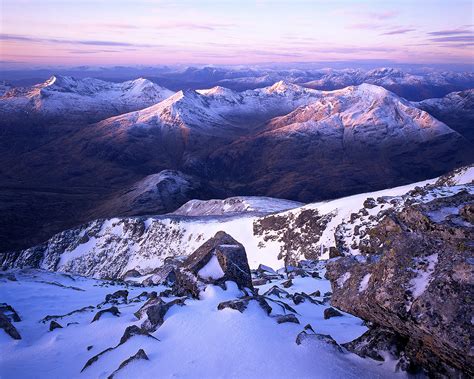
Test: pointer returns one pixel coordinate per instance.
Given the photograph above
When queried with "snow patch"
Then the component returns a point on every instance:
(423, 275)
(212, 269)
(364, 283)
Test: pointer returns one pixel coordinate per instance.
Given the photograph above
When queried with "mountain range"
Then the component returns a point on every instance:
(79, 149)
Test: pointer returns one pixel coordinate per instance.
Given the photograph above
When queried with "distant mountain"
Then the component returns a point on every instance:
(412, 86)
(350, 140)
(284, 141)
(65, 98)
(455, 109)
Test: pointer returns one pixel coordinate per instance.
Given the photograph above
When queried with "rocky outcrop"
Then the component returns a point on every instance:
(8, 327)
(139, 355)
(112, 310)
(218, 260)
(54, 325)
(417, 281)
(154, 311)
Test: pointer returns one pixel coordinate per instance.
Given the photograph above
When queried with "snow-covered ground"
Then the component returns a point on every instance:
(195, 341)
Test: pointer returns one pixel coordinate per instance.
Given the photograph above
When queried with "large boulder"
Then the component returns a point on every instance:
(418, 283)
(218, 260)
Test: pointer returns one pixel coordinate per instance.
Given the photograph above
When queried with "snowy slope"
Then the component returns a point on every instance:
(195, 341)
(88, 99)
(110, 248)
(236, 204)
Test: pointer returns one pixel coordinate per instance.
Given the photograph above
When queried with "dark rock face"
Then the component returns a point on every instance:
(113, 310)
(8, 327)
(331, 312)
(297, 232)
(417, 283)
(140, 354)
(131, 331)
(54, 325)
(231, 258)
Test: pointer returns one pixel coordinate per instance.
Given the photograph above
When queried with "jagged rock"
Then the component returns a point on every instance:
(375, 341)
(315, 275)
(242, 304)
(113, 310)
(155, 311)
(334, 252)
(140, 354)
(54, 325)
(259, 281)
(55, 317)
(133, 273)
(219, 259)
(129, 332)
(287, 284)
(308, 334)
(290, 317)
(370, 203)
(7, 326)
(165, 274)
(316, 293)
(299, 298)
(10, 312)
(144, 295)
(331, 312)
(117, 297)
(134, 330)
(276, 291)
(419, 284)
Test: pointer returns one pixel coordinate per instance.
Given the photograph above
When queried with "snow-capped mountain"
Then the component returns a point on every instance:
(217, 111)
(413, 86)
(235, 205)
(455, 109)
(363, 132)
(66, 98)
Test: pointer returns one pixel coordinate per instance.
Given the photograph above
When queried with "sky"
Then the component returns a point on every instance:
(147, 32)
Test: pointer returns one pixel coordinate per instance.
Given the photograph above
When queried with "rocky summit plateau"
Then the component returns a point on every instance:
(245, 223)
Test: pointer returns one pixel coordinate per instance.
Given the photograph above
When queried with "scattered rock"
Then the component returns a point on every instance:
(134, 330)
(287, 284)
(114, 310)
(276, 291)
(7, 326)
(140, 354)
(10, 312)
(118, 297)
(331, 312)
(54, 325)
(155, 311)
(308, 334)
(290, 317)
(259, 281)
(55, 317)
(316, 293)
(370, 203)
(89, 347)
(242, 303)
